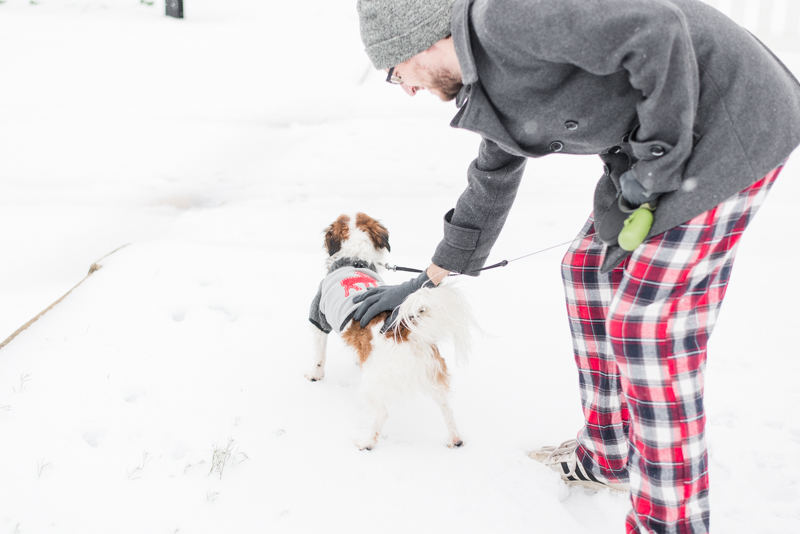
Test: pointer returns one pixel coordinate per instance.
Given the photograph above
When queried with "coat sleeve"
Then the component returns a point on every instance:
(472, 227)
(648, 39)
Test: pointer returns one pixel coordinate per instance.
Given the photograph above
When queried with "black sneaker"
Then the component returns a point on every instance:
(564, 461)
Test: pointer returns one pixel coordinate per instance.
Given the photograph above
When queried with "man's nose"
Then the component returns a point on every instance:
(410, 90)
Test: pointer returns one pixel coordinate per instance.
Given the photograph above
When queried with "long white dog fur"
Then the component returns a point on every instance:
(406, 358)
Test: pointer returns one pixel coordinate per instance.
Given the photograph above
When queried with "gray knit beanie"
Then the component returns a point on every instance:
(395, 30)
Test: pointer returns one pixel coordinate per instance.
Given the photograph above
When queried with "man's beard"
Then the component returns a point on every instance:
(444, 83)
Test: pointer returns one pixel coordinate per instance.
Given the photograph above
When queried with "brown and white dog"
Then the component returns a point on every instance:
(406, 357)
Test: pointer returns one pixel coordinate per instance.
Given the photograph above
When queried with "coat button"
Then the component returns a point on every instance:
(556, 146)
(614, 150)
(571, 125)
(657, 151)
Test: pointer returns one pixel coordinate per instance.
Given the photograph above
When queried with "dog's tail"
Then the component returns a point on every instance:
(434, 315)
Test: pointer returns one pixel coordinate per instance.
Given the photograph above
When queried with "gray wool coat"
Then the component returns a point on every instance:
(694, 104)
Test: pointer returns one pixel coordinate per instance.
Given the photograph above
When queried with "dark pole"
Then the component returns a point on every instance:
(175, 8)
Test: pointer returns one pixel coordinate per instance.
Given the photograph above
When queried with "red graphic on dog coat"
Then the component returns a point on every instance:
(361, 278)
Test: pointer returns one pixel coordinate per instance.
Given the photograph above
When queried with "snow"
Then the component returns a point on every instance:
(219, 147)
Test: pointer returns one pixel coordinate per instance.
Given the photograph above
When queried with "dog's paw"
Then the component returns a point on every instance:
(315, 375)
(455, 443)
(367, 444)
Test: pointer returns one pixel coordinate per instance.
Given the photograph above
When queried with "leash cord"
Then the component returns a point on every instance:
(406, 269)
(500, 264)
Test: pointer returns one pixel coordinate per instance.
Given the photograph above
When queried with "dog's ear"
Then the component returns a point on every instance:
(336, 234)
(331, 242)
(377, 233)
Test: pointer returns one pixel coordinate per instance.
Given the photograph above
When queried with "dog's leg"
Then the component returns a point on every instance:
(439, 388)
(380, 413)
(320, 340)
(439, 396)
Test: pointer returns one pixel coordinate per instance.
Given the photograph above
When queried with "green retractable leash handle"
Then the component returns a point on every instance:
(636, 227)
(626, 226)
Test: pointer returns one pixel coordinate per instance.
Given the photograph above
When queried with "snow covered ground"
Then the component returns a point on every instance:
(219, 147)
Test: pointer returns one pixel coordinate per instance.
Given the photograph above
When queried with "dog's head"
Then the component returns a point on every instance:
(359, 237)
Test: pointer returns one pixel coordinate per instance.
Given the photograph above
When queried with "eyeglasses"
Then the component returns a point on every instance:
(393, 79)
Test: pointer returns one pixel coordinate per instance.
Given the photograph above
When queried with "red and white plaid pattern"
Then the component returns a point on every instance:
(640, 334)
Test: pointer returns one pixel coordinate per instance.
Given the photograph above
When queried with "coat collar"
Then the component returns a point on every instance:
(459, 28)
(351, 262)
(475, 110)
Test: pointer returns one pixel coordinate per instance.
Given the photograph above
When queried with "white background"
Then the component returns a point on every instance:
(219, 147)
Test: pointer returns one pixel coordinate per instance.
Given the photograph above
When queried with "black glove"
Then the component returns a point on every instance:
(634, 192)
(385, 298)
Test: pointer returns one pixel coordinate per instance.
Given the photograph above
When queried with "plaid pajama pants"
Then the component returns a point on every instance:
(640, 334)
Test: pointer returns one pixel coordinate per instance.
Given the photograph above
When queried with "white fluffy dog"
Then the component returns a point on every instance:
(404, 358)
